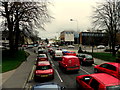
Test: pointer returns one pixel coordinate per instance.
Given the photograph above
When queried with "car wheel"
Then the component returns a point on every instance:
(82, 63)
(95, 70)
(77, 86)
(59, 65)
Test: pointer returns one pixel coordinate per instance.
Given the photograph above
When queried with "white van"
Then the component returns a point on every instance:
(58, 55)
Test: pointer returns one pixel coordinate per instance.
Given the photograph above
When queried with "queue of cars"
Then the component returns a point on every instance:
(106, 76)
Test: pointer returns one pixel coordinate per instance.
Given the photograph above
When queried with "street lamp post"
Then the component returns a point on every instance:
(77, 29)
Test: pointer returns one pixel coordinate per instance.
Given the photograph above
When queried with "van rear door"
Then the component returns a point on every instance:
(73, 62)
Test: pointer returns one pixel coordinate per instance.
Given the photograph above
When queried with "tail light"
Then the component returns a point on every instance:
(84, 59)
(65, 65)
(36, 72)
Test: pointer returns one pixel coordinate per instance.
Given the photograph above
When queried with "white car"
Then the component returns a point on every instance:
(100, 47)
(71, 46)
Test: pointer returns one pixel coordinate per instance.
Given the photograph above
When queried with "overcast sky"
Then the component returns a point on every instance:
(63, 11)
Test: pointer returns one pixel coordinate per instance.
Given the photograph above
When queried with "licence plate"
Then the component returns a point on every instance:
(42, 59)
(44, 75)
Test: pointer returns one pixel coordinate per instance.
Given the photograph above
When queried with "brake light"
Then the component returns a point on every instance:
(84, 59)
(36, 72)
(65, 65)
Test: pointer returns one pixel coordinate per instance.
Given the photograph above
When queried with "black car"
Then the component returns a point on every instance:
(47, 86)
(85, 59)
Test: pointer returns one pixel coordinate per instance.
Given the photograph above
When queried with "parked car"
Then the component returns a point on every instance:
(57, 55)
(111, 68)
(70, 53)
(69, 63)
(71, 46)
(43, 70)
(100, 81)
(85, 59)
(42, 57)
(48, 86)
(100, 47)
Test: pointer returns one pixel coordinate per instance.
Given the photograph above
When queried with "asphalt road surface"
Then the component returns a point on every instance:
(68, 80)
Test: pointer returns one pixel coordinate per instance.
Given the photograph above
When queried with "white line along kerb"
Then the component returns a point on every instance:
(58, 75)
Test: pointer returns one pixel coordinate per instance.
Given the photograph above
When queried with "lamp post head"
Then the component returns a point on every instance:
(71, 19)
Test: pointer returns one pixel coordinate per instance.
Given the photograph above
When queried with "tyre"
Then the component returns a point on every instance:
(95, 70)
(81, 63)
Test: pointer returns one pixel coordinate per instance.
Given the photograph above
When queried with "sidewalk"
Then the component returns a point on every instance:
(16, 78)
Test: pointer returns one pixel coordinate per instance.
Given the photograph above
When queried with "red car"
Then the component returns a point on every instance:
(69, 63)
(98, 81)
(70, 53)
(43, 70)
(111, 68)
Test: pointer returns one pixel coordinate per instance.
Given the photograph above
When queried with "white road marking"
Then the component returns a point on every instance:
(56, 70)
(59, 76)
(84, 71)
(30, 77)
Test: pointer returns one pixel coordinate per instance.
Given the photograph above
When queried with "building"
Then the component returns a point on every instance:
(67, 37)
(93, 38)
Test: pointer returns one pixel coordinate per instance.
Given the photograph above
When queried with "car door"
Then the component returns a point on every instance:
(112, 70)
(84, 83)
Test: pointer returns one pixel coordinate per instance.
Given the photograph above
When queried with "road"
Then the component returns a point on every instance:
(67, 80)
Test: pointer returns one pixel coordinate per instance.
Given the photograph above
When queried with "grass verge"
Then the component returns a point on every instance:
(104, 56)
(10, 62)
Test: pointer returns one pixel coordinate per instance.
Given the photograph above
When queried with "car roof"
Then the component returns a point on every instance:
(69, 56)
(105, 78)
(42, 63)
(46, 86)
(114, 64)
(58, 50)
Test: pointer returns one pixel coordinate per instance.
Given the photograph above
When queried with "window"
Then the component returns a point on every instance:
(94, 84)
(43, 67)
(111, 67)
(104, 65)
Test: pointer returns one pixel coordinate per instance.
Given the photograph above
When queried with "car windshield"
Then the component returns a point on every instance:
(43, 67)
(41, 56)
(117, 87)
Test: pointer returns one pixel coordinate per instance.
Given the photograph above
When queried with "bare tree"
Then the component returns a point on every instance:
(24, 16)
(107, 16)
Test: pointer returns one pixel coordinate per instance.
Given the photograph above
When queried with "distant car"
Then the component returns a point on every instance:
(43, 70)
(47, 86)
(69, 63)
(42, 57)
(42, 51)
(56, 45)
(70, 53)
(30, 46)
(57, 55)
(71, 46)
(85, 59)
(101, 47)
(111, 68)
(99, 81)
(24, 45)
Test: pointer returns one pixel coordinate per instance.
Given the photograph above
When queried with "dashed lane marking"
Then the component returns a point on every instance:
(84, 71)
(59, 76)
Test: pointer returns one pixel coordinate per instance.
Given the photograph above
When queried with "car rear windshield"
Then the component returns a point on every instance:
(41, 56)
(43, 67)
(117, 87)
(88, 56)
